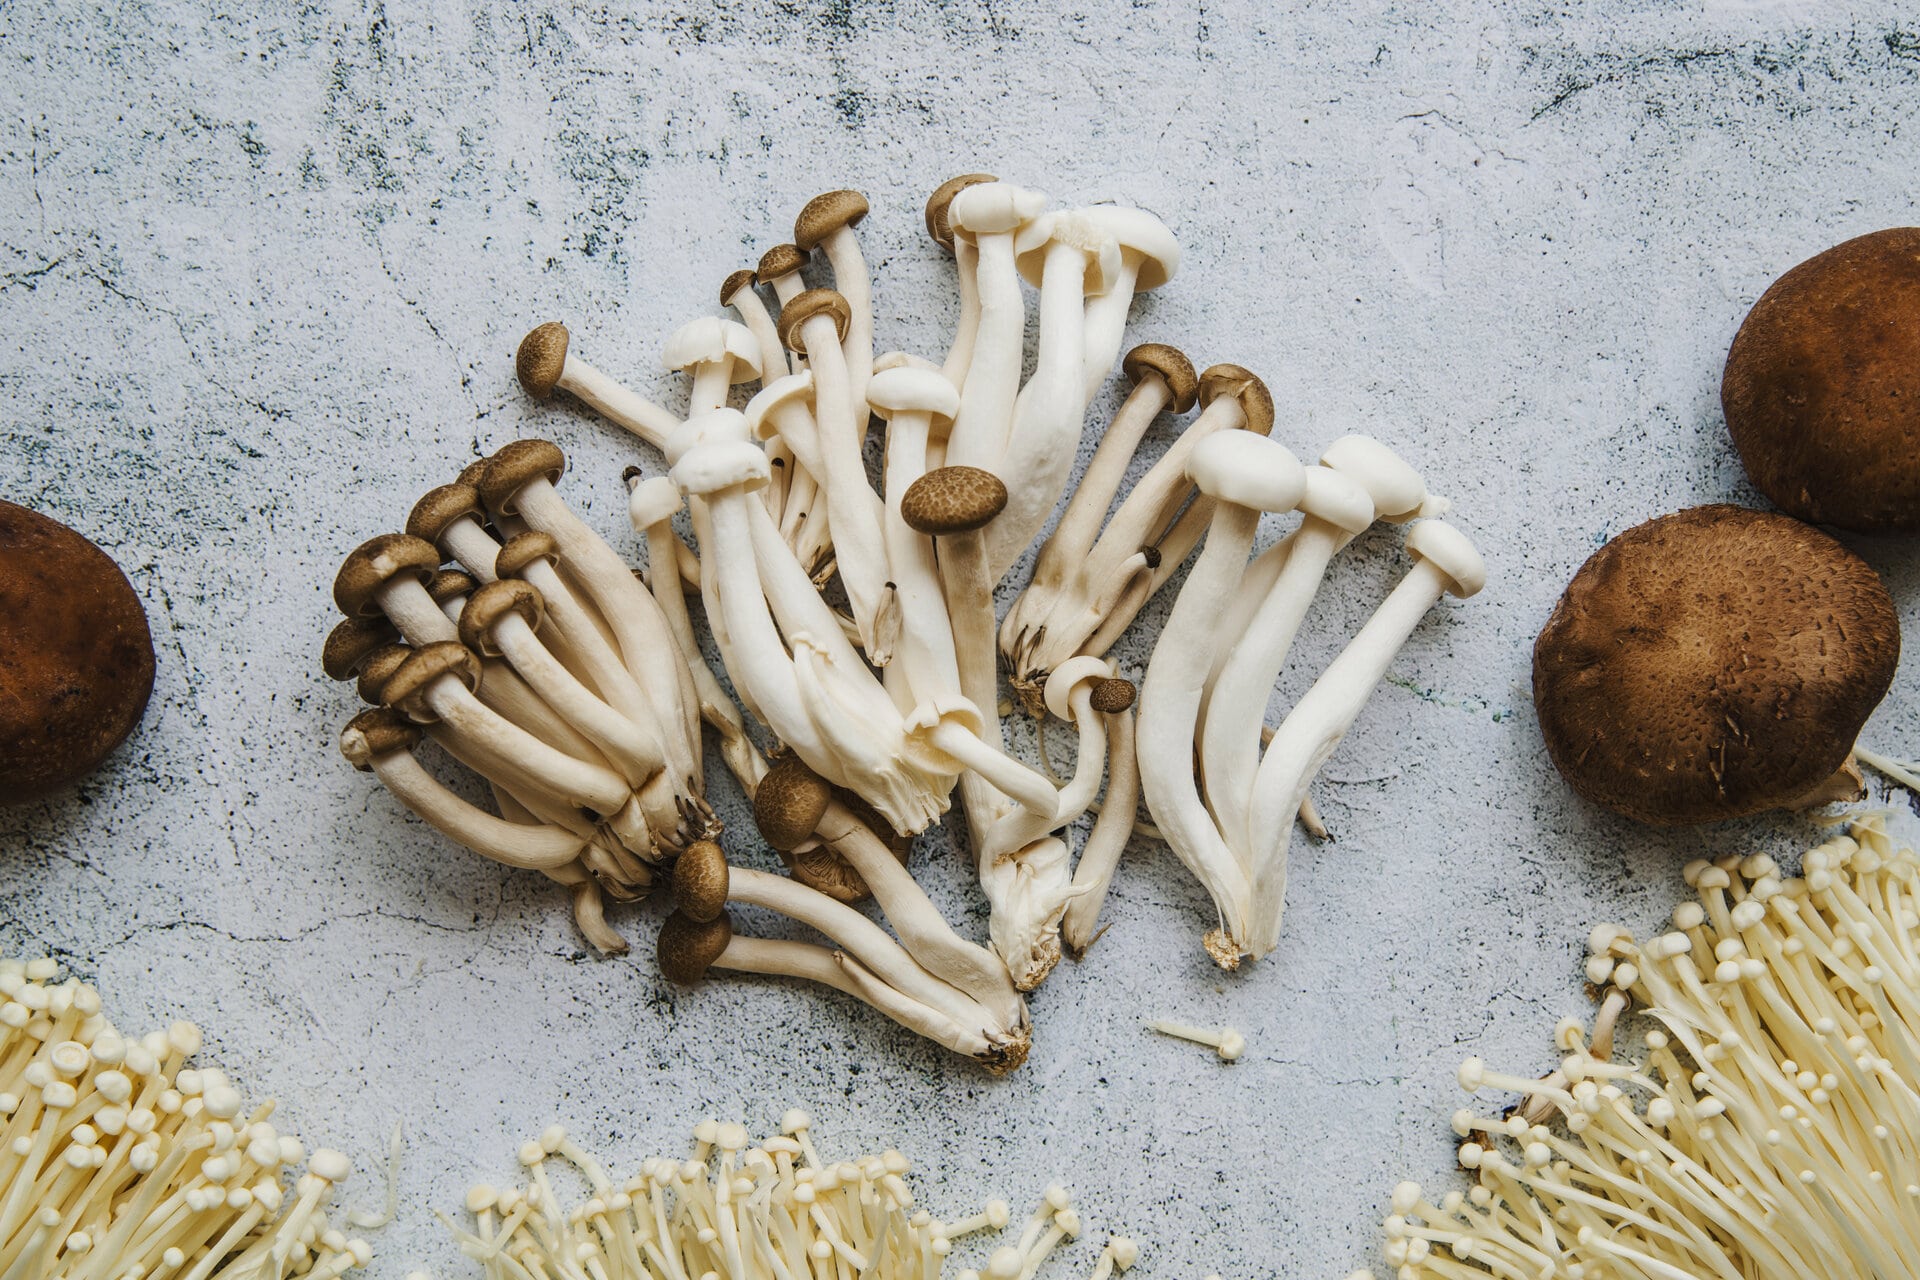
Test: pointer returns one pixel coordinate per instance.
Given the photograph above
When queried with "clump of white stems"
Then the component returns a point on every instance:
(1226, 807)
(119, 1161)
(735, 1210)
(1768, 1130)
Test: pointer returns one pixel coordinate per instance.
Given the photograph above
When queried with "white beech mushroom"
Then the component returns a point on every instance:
(965, 258)
(989, 215)
(545, 364)
(1766, 1128)
(121, 1160)
(827, 223)
(1149, 257)
(717, 354)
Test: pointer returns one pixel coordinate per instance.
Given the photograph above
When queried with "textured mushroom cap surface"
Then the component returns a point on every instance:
(76, 658)
(949, 500)
(375, 733)
(1712, 663)
(805, 306)
(440, 507)
(701, 881)
(541, 359)
(1173, 367)
(349, 643)
(376, 562)
(1822, 386)
(522, 549)
(938, 225)
(451, 584)
(1113, 695)
(781, 260)
(486, 606)
(825, 214)
(734, 283)
(377, 668)
(515, 466)
(688, 947)
(789, 803)
(1232, 380)
(426, 665)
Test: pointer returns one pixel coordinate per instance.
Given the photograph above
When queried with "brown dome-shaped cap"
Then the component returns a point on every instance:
(522, 549)
(451, 584)
(541, 359)
(780, 261)
(349, 643)
(804, 307)
(376, 562)
(1231, 380)
(688, 947)
(825, 214)
(701, 880)
(789, 803)
(440, 507)
(941, 202)
(1113, 695)
(1822, 387)
(486, 606)
(734, 283)
(471, 473)
(949, 500)
(76, 657)
(516, 466)
(375, 733)
(1712, 663)
(377, 668)
(1183, 384)
(406, 687)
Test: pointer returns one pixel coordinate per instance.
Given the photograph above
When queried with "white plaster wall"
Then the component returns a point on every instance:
(260, 283)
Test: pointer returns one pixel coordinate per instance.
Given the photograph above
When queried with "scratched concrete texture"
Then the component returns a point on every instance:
(261, 279)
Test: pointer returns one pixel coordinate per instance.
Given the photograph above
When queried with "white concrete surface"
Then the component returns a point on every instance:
(260, 283)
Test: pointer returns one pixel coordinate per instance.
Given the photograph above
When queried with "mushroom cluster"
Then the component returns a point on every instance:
(1768, 1129)
(774, 1210)
(118, 1160)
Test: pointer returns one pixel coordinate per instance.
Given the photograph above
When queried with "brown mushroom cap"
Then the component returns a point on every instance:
(451, 584)
(1113, 695)
(734, 283)
(1183, 384)
(940, 204)
(825, 214)
(950, 500)
(804, 307)
(516, 466)
(377, 668)
(424, 666)
(349, 644)
(688, 947)
(1712, 663)
(541, 359)
(76, 657)
(789, 803)
(1231, 380)
(522, 549)
(440, 507)
(701, 881)
(1822, 386)
(471, 473)
(376, 562)
(375, 733)
(781, 260)
(490, 603)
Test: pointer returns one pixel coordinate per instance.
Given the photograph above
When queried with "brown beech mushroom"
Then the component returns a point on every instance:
(76, 658)
(1822, 387)
(1714, 663)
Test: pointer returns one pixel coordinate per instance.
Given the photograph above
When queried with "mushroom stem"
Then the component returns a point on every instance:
(1100, 855)
(990, 214)
(633, 745)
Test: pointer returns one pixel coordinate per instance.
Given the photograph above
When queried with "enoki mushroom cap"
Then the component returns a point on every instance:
(376, 562)
(702, 881)
(440, 507)
(1173, 367)
(377, 669)
(653, 501)
(825, 214)
(514, 467)
(951, 500)
(522, 550)
(905, 388)
(1113, 695)
(789, 803)
(688, 947)
(405, 687)
(486, 606)
(1256, 402)
(804, 307)
(938, 225)
(349, 644)
(1247, 470)
(375, 734)
(1712, 663)
(779, 262)
(541, 359)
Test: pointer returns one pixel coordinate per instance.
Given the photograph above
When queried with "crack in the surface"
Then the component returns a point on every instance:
(193, 353)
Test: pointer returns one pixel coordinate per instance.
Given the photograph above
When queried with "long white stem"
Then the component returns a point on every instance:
(535, 848)
(616, 403)
(926, 650)
(1100, 855)
(987, 394)
(852, 505)
(1106, 326)
(967, 327)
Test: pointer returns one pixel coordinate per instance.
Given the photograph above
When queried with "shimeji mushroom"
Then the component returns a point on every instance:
(1767, 1128)
(718, 354)
(735, 1210)
(120, 1160)
(545, 364)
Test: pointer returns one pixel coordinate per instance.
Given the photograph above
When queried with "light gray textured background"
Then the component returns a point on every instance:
(260, 283)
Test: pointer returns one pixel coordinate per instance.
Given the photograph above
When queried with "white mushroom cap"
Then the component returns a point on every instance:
(1337, 498)
(1247, 470)
(722, 464)
(940, 709)
(1075, 228)
(990, 208)
(714, 427)
(1064, 678)
(1451, 552)
(710, 339)
(652, 501)
(1140, 233)
(901, 360)
(1397, 489)
(764, 408)
(905, 388)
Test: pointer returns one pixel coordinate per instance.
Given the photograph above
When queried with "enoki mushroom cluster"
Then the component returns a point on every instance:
(120, 1162)
(1769, 1130)
(733, 1211)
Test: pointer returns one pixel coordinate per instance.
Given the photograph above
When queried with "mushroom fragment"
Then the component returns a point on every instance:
(122, 1160)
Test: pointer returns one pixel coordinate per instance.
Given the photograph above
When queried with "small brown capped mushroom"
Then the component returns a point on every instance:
(440, 507)
(377, 668)
(349, 644)
(1183, 384)
(1713, 663)
(76, 658)
(405, 688)
(540, 360)
(940, 204)
(376, 562)
(701, 880)
(510, 470)
(778, 262)
(1113, 695)
(487, 605)
(1231, 380)
(950, 500)
(375, 733)
(522, 549)
(734, 283)
(806, 306)
(1822, 387)
(789, 803)
(826, 214)
(688, 947)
